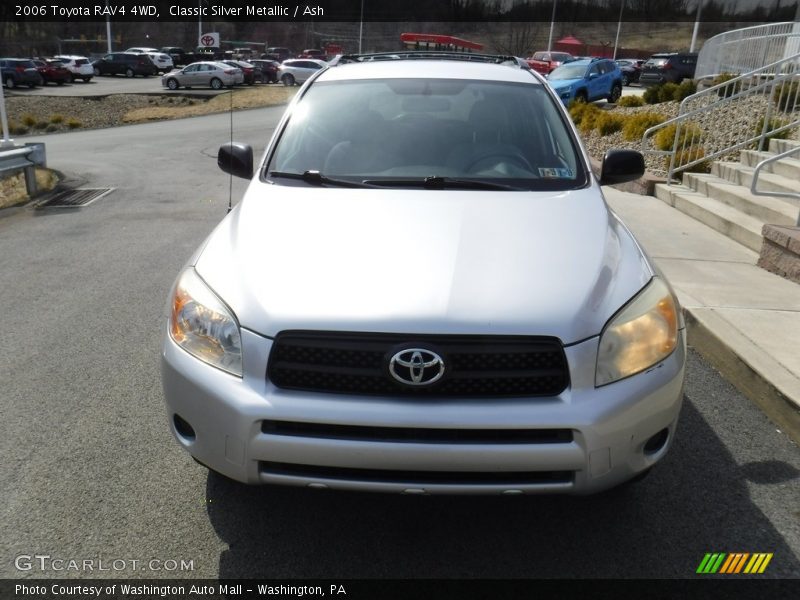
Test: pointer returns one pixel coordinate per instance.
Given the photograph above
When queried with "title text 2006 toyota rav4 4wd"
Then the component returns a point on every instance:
(423, 290)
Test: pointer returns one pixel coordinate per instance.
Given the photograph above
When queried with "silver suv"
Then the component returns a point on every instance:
(424, 291)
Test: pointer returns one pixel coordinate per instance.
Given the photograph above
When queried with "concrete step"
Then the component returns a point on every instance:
(743, 175)
(727, 220)
(767, 209)
(785, 167)
(778, 146)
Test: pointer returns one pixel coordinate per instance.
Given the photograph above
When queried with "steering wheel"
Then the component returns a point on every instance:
(499, 157)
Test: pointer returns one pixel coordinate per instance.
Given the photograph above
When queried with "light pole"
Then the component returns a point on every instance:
(108, 29)
(696, 25)
(552, 23)
(6, 142)
(619, 26)
(361, 27)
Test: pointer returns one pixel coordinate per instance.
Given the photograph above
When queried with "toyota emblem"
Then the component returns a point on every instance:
(416, 366)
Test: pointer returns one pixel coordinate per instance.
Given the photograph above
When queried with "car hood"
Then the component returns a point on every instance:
(560, 84)
(432, 261)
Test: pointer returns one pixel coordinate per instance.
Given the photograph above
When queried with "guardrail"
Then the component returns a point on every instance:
(745, 50)
(754, 184)
(25, 158)
(742, 112)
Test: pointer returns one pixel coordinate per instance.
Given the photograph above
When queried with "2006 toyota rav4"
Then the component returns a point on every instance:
(423, 290)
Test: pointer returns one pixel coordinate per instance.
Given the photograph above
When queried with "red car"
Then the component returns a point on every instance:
(312, 53)
(545, 62)
(269, 69)
(52, 70)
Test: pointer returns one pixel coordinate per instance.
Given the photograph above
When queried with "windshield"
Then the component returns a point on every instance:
(416, 129)
(568, 72)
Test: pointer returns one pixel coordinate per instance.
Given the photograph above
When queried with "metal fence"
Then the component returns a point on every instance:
(745, 50)
(743, 112)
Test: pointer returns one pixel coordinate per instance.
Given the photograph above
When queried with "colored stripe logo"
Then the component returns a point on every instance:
(734, 563)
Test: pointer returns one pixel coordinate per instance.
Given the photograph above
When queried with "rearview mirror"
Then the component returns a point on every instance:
(236, 159)
(620, 166)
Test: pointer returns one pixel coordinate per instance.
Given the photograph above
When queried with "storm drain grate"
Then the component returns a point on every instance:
(75, 198)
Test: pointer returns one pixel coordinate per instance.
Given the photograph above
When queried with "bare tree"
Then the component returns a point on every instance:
(517, 40)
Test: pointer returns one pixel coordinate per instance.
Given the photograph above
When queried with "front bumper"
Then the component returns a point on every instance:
(251, 431)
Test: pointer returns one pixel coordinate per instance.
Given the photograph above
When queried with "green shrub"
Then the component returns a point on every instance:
(74, 124)
(607, 123)
(774, 123)
(40, 125)
(686, 88)
(628, 101)
(29, 120)
(788, 96)
(636, 125)
(56, 119)
(690, 154)
(584, 115)
(729, 90)
(650, 95)
(667, 92)
(51, 127)
(690, 133)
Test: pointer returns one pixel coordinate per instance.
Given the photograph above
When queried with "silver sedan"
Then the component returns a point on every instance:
(211, 74)
(292, 72)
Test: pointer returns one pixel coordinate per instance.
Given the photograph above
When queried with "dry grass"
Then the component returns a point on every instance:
(12, 189)
(257, 97)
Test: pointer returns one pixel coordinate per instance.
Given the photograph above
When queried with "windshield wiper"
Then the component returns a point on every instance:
(317, 178)
(434, 182)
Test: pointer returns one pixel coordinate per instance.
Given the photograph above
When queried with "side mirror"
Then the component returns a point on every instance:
(620, 166)
(594, 75)
(236, 159)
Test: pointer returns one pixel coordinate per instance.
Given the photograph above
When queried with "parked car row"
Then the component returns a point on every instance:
(668, 67)
(41, 71)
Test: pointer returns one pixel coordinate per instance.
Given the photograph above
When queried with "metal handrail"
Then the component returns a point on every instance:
(747, 49)
(757, 172)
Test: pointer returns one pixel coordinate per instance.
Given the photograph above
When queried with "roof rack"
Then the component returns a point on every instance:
(500, 59)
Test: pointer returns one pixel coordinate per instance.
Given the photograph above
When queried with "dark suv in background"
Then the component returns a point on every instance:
(19, 71)
(668, 68)
(125, 63)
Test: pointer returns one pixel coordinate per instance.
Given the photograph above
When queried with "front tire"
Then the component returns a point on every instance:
(129, 73)
(288, 79)
(616, 92)
(10, 83)
(96, 72)
(626, 80)
(173, 84)
(216, 84)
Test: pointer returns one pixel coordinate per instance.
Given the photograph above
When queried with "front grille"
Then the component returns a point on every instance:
(475, 366)
(412, 435)
(507, 478)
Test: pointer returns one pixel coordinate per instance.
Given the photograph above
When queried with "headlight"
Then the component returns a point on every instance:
(201, 324)
(643, 333)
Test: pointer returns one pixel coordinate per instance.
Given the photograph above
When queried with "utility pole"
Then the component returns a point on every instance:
(696, 25)
(619, 26)
(552, 23)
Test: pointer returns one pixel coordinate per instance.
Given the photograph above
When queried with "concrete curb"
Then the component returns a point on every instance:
(770, 386)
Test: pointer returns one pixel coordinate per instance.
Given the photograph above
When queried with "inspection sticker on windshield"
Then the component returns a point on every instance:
(555, 172)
